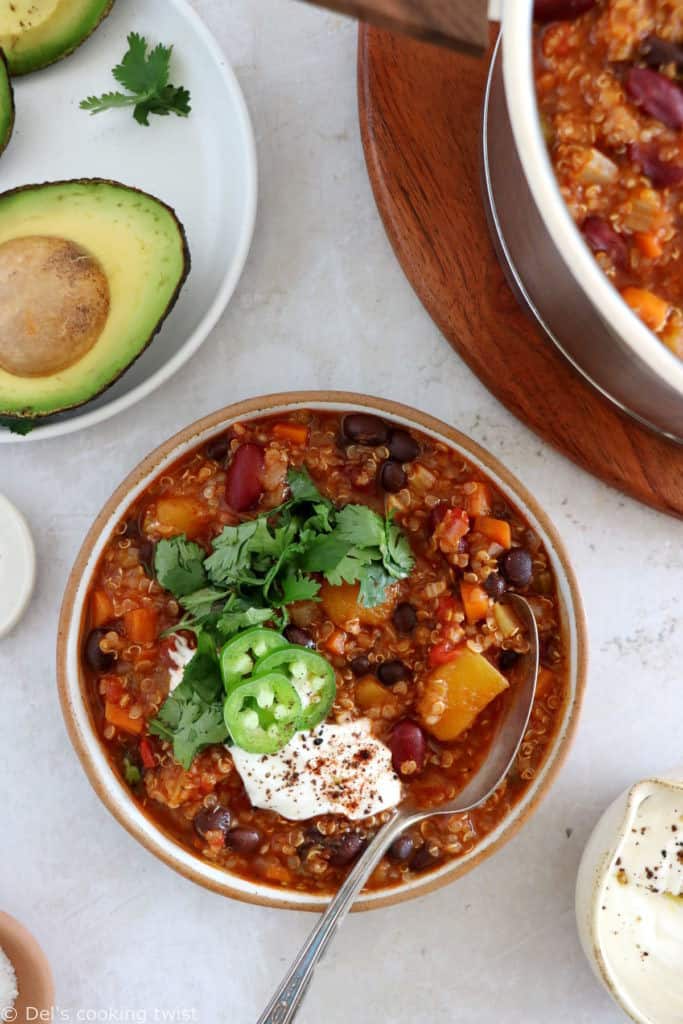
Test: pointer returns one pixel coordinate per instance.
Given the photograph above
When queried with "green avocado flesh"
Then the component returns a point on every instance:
(6, 104)
(88, 272)
(35, 33)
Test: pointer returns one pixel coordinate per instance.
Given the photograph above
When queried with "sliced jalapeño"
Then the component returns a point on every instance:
(240, 654)
(311, 675)
(262, 714)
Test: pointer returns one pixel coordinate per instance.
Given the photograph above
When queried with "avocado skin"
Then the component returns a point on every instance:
(38, 417)
(6, 86)
(24, 66)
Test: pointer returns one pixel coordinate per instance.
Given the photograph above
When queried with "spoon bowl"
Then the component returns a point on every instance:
(285, 1003)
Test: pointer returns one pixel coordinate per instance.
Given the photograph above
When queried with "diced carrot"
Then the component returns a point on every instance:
(101, 608)
(180, 515)
(146, 753)
(649, 245)
(277, 873)
(497, 530)
(475, 601)
(112, 688)
(651, 309)
(119, 717)
(297, 433)
(141, 625)
(336, 641)
(479, 500)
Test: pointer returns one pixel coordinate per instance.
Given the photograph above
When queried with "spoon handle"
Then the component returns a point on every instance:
(284, 1005)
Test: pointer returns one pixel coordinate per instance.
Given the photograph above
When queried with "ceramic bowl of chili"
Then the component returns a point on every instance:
(464, 530)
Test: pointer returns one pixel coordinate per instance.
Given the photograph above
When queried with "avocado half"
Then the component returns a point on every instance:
(35, 33)
(6, 104)
(89, 270)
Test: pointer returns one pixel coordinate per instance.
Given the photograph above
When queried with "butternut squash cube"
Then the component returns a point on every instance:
(455, 693)
(177, 515)
(342, 605)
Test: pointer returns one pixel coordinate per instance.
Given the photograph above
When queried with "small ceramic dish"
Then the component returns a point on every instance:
(602, 859)
(117, 797)
(34, 977)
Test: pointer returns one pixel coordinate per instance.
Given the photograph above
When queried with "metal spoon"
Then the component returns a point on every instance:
(285, 1003)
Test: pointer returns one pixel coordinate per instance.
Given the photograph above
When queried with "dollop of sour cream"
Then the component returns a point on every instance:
(334, 769)
(640, 917)
(181, 654)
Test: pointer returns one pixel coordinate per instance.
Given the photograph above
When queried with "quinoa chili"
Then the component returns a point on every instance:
(608, 80)
(395, 664)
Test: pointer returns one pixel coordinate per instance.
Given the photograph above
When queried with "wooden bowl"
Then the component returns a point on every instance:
(34, 977)
(116, 796)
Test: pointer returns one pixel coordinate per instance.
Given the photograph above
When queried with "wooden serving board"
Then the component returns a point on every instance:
(420, 114)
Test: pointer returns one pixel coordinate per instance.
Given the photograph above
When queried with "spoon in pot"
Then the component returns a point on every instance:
(285, 1003)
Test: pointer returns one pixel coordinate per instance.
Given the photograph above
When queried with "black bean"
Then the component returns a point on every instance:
(360, 666)
(364, 428)
(218, 448)
(296, 635)
(212, 819)
(507, 659)
(96, 658)
(404, 617)
(403, 446)
(390, 672)
(494, 585)
(392, 476)
(345, 848)
(401, 849)
(659, 53)
(424, 859)
(243, 840)
(517, 567)
(132, 531)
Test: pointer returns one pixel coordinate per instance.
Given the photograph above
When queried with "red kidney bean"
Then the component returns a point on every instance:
(243, 481)
(561, 10)
(659, 53)
(401, 849)
(364, 428)
(212, 819)
(96, 658)
(656, 94)
(407, 743)
(243, 840)
(661, 173)
(392, 476)
(345, 848)
(402, 446)
(602, 237)
(299, 636)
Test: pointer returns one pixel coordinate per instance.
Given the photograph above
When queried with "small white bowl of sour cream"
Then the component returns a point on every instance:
(629, 900)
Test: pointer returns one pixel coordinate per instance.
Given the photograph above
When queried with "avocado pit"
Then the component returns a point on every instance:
(54, 303)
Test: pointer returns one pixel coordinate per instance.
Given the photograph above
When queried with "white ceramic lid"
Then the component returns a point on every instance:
(17, 565)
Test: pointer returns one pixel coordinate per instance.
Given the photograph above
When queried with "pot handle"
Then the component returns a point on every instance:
(460, 24)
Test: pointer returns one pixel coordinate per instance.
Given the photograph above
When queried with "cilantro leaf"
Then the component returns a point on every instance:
(179, 565)
(395, 548)
(297, 587)
(233, 621)
(145, 75)
(374, 581)
(200, 603)
(360, 526)
(202, 675)
(190, 724)
(302, 487)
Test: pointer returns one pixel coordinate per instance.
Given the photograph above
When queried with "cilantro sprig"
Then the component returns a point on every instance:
(145, 74)
(258, 567)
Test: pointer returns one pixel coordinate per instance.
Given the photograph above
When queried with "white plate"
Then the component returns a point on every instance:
(204, 166)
